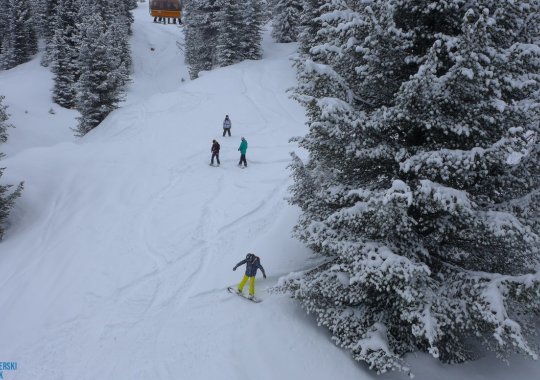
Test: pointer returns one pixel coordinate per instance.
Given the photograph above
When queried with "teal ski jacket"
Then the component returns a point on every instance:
(243, 146)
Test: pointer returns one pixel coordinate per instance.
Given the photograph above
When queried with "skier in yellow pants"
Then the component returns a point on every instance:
(252, 264)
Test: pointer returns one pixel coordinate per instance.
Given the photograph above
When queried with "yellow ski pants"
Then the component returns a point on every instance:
(251, 284)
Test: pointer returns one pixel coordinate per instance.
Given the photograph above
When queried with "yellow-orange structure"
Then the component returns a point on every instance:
(166, 8)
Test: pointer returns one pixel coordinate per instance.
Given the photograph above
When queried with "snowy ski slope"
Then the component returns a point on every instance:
(120, 251)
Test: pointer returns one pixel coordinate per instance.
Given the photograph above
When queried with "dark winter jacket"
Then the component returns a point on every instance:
(226, 123)
(215, 147)
(251, 266)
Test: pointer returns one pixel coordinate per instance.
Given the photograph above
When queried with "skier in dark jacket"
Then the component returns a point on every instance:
(252, 264)
(215, 152)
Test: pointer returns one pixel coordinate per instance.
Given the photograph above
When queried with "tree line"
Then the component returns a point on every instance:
(86, 48)
(220, 33)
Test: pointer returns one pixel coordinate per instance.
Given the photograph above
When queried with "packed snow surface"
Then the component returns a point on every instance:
(119, 253)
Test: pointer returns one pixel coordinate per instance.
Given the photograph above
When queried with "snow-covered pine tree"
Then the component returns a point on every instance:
(120, 31)
(41, 16)
(230, 33)
(286, 23)
(267, 8)
(423, 200)
(30, 32)
(328, 69)
(104, 60)
(271, 5)
(132, 4)
(129, 5)
(7, 197)
(100, 86)
(254, 15)
(19, 41)
(3, 25)
(194, 43)
(45, 15)
(202, 25)
(221, 33)
(4, 125)
(310, 24)
(387, 55)
(64, 50)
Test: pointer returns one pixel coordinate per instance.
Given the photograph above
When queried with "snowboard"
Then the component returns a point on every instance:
(254, 299)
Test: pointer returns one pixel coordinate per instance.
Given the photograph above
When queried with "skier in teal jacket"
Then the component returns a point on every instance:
(243, 149)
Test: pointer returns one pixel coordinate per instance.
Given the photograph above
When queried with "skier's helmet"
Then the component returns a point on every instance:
(250, 256)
